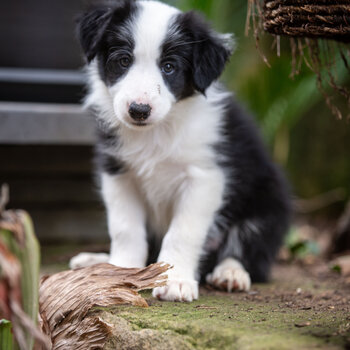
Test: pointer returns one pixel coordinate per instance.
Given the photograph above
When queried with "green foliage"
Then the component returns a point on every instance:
(300, 248)
(6, 338)
(336, 268)
(28, 255)
(30, 260)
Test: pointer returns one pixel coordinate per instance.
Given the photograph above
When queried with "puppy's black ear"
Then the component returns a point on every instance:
(91, 28)
(211, 51)
(210, 58)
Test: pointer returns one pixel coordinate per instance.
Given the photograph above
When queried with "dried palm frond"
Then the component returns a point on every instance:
(68, 299)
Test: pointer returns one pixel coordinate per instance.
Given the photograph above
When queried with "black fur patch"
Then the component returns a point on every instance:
(91, 28)
(103, 32)
(177, 49)
(107, 143)
(107, 163)
(257, 204)
(198, 54)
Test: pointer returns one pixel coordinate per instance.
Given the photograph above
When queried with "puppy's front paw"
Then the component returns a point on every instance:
(88, 259)
(177, 290)
(230, 275)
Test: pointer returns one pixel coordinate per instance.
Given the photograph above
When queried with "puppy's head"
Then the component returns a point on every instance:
(150, 55)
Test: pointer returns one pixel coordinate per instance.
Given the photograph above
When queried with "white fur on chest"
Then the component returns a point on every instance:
(165, 160)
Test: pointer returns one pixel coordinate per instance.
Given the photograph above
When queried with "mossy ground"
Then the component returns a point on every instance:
(304, 307)
(227, 322)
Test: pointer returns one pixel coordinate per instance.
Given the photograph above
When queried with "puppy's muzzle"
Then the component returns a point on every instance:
(139, 112)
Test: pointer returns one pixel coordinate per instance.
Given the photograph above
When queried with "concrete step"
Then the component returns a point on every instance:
(45, 123)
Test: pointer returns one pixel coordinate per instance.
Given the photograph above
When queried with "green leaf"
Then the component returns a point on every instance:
(6, 337)
(299, 247)
(28, 255)
(336, 268)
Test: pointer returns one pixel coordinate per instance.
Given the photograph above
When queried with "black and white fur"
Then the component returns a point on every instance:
(184, 175)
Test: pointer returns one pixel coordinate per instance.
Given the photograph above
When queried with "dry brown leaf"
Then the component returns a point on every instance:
(301, 325)
(67, 297)
(10, 281)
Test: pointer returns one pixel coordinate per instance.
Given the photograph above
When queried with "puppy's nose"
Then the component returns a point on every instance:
(139, 112)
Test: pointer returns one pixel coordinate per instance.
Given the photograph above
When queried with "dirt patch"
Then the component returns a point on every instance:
(304, 307)
(300, 287)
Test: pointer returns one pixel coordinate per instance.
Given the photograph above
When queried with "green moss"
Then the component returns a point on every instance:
(223, 322)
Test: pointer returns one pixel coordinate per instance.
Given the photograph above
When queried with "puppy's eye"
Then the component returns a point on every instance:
(125, 61)
(168, 68)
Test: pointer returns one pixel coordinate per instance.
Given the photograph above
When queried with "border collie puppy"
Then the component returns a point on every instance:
(184, 175)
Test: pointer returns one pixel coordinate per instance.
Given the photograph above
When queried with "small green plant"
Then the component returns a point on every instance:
(6, 337)
(19, 279)
(299, 247)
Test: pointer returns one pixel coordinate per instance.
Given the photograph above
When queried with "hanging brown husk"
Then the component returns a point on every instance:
(319, 31)
(326, 19)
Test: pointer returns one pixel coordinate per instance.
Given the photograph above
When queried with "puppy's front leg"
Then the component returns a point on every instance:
(200, 198)
(126, 221)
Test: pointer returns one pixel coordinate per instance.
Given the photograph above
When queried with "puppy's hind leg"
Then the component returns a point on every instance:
(229, 275)
(248, 253)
